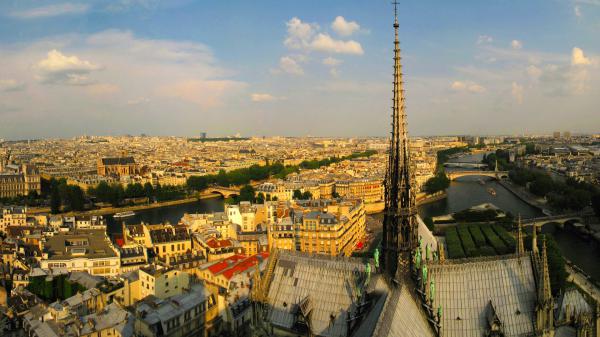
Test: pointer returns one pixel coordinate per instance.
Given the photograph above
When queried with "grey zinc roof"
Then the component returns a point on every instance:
(324, 280)
(465, 288)
(575, 302)
(401, 315)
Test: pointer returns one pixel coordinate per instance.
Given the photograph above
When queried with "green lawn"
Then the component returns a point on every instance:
(475, 240)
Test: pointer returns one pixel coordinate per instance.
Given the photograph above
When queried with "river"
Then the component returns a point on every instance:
(463, 193)
(171, 214)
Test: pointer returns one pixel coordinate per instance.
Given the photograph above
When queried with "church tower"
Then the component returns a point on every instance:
(400, 235)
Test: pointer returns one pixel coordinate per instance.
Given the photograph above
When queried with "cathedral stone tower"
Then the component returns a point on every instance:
(400, 235)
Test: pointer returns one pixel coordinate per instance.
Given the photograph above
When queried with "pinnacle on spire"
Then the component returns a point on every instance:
(534, 246)
(545, 303)
(545, 290)
(520, 243)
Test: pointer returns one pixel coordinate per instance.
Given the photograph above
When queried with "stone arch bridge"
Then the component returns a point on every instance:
(226, 192)
(561, 219)
(452, 175)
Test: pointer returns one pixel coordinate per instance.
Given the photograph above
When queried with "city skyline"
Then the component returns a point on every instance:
(286, 69)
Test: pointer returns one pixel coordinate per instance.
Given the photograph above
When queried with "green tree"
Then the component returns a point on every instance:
(197, 183)
(222, 178)
(439, 182)
(297, 195)
(75, 198)
(306, 195)
(135, 190)
(148, 191)
(117, 194)
(247, 193)
(55, 201)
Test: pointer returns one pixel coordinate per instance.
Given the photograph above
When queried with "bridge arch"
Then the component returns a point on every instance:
(224, 192)
(453, 175)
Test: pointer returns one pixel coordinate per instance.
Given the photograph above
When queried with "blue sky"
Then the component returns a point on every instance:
(296, 67)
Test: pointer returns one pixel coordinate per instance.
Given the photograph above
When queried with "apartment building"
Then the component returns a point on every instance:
(320, 226)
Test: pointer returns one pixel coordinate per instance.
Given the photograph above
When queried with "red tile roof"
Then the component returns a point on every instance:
(214, 243)
(237, 264)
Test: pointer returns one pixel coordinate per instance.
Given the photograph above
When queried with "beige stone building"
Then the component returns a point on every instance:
(319, 226)
(18, 181)
(118, 166)
(369, 190)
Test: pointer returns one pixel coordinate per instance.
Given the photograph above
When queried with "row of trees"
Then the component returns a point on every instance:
(244, 176)
(70, 197)
(444, 155)
(439, 182)
(116, 194)
(570, 194)
(502, 157)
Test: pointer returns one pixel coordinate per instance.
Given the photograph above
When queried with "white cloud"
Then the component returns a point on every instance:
(517, 92)
(299, 33)
(343, 27)
(332, 62)
(326, 43)
(262, 97)
(11, 85)
(205, 93)
(482, 39)
(578, 58)
(183, 80)
(577, 11)
(101, 89)
(58, 68)
(137, 101)
(51, 10)
(516, 44)
(306, 37)
(124, 5)
(467, 86)
(288, 65)
(534, 72)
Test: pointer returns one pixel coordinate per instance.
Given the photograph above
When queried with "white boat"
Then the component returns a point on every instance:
(124, 214)
(491, 191)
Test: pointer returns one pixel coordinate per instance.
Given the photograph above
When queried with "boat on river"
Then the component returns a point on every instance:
(121, 215)
(492, 191)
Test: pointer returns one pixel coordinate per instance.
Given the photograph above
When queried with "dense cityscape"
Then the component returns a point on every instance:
(471, 234)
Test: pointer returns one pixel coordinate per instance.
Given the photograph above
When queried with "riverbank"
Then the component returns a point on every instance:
(134, 208)
(522, 194)
(583, 281)
(429, 198)
(378, 207)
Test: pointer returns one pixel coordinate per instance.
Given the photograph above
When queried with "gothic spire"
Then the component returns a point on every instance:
(545, 303)
(545, 293)
(399, 224)
(534, 246)
(520, 243)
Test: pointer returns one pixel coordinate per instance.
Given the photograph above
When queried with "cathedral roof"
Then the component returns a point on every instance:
(319, 286)
(402, 316)
(465, 289)
(572, 303)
